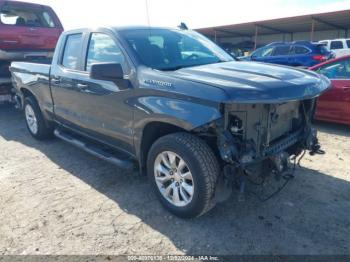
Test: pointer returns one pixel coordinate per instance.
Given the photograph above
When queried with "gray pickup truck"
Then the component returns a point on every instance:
(173, 104)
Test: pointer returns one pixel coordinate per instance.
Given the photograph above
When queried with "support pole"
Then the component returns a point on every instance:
(256, 37)
(312, 30)
(215, 38)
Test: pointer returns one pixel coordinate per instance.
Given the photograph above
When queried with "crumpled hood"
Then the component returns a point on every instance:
(257, 82)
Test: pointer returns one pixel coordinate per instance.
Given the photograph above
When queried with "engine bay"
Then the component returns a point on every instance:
(256, 141)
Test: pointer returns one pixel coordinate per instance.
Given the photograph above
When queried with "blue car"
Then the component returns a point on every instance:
(299, 53)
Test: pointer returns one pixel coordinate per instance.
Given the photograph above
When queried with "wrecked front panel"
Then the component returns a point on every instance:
(257, 131)
(258, 140)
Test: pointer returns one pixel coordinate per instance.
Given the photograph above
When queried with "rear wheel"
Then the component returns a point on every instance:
(183, 172)
(35, 120)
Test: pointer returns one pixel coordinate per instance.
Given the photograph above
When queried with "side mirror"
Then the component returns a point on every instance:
(107, 71)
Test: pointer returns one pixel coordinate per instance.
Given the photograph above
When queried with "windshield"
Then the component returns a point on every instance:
(166, 49)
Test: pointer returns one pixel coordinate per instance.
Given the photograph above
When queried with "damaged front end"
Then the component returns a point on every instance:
(258, 140)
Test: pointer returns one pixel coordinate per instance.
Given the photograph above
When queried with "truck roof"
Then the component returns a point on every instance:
(337, 39)
(117, 28)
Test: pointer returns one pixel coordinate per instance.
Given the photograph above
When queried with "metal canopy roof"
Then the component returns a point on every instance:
(305, 23)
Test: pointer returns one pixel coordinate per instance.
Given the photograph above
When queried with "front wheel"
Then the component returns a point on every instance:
(183, 172)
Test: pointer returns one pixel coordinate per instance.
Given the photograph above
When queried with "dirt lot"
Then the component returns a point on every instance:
(56, 199)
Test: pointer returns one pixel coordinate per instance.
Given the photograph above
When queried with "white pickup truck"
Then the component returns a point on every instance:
(340, 47)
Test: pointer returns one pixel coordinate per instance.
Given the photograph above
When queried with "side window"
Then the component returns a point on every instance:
(258, 52)
(103, 49)
(337, 70)
(72, 51)
(48, 19)
(263, 52)
(267, 52)
(348, 43)
(337, 45)
(281, 50)
(300, 50)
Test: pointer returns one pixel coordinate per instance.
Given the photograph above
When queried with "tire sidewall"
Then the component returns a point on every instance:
(29, 101)
(195, 207)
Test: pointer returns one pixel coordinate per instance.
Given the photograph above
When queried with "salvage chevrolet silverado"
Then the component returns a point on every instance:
(173, 103)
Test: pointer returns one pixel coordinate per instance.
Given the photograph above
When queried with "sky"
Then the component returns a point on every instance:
(195, 13)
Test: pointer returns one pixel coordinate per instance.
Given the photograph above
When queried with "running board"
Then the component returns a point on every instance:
(95, 149)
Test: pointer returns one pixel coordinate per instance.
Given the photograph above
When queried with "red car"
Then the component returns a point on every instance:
(334, 105)
(27, 30)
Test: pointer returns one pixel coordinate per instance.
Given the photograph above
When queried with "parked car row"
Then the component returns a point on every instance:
(298, 53)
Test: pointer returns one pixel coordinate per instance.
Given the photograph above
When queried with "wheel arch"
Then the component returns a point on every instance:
(25, 92)
(150, 133)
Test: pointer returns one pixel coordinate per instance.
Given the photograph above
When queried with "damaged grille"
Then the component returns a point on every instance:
(268, 127)
(280, 120)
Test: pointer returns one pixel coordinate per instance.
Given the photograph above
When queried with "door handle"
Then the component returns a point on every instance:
(82, 86)
(56, 81)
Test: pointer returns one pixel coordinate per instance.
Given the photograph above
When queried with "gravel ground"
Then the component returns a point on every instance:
(56, 199)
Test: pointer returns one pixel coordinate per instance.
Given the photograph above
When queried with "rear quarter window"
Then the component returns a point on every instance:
(22, 16)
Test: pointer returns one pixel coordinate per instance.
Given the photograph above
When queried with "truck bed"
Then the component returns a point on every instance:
(31, 68)
(37, 77)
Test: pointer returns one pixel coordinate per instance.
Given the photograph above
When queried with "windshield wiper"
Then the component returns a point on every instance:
(174, 68)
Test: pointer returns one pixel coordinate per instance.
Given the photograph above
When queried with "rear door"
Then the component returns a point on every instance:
(300, 56)
(28, 27)
(64, 79)
(335, 103)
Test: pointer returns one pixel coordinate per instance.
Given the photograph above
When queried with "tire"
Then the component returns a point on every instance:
(198, 160)
(34, 120)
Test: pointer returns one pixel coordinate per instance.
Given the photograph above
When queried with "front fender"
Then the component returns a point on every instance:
(186, 114)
